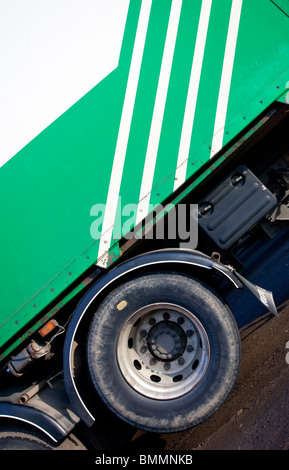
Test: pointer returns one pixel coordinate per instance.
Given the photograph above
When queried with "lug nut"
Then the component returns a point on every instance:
(143, 349)
(189, 333)
(143, 333)
(181, 361)
(153, 361)
(190, 348)
(167, 366)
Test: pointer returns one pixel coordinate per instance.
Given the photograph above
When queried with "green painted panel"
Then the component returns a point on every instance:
(283, 5)
(46, 194)
(108, 147)
(144, 106)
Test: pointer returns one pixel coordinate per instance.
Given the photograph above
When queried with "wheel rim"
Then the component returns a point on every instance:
(163, 351)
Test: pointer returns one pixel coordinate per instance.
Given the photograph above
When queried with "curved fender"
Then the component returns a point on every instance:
(42, 421)
(160, 257)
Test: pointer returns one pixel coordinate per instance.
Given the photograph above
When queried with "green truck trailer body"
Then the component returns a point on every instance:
(190, 76)
(155, 92)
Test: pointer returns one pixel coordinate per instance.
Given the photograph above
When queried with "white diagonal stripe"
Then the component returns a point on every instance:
(124, 129)
(190, 109)
(159, 107)
(227, 70)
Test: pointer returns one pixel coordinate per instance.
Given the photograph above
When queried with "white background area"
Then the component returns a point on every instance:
(52, 52)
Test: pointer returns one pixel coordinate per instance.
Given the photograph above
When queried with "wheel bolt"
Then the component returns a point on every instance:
(181, 361)
(152, 321)
(190, 348)
(167, 366)
(180, 320)
(143, 349)
(143, 333)
(153, 361)
(189, 333)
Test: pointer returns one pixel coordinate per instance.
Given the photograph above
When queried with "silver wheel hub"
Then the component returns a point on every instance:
(166, 341)
(163, 351)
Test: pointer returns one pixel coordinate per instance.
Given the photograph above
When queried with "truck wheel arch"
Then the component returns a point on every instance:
(33, 419)
(161, 260)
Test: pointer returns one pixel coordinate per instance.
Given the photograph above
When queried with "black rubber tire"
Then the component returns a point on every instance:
(17, 436)
(197, 404)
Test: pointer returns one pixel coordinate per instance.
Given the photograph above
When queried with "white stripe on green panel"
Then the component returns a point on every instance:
(124, 129)
(192, 93)
(228, 63)
(158, 113)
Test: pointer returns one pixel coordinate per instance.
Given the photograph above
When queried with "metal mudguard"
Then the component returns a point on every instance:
(162, 259)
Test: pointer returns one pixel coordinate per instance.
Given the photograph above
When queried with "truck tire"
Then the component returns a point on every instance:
(163, 352)
(21, 437)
